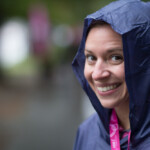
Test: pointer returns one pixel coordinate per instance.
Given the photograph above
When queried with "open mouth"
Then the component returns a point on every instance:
(108, 88)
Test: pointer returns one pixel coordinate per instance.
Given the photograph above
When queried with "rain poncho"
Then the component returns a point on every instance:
(131, 19)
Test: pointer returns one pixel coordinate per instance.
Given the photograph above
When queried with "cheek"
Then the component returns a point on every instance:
(120, 73)
(121, 76)
(87, 73)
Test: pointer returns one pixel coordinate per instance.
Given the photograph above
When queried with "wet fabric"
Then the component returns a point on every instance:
(131, 19)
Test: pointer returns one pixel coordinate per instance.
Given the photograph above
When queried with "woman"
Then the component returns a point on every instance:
(112, 65)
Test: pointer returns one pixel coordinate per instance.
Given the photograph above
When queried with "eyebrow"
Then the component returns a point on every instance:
(89, 51)
(114, 49)
(109, 51)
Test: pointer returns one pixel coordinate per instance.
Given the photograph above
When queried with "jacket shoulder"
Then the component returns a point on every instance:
(92, 121)
(89, 135)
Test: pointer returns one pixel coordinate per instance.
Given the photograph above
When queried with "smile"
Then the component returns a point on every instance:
(107, 88)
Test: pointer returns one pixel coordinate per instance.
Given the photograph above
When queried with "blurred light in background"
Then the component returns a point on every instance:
(14, 42)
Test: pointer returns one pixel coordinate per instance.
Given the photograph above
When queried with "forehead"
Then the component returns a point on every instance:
(102, 30)
(103, 37)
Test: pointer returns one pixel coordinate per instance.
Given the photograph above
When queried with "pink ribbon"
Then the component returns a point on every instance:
(114, 132)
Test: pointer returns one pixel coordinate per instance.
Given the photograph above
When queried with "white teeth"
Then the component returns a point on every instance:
(107, 88)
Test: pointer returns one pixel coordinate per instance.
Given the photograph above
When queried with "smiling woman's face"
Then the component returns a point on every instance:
(104, 66)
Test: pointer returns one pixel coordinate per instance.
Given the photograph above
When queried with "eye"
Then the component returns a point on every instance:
(116, 59)
(90, 58)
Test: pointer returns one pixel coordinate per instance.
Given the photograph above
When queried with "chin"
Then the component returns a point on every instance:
(109, 104)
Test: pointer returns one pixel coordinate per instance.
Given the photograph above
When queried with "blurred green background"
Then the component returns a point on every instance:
(61, 11)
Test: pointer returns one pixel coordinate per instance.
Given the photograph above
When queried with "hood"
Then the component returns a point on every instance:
(131, 19)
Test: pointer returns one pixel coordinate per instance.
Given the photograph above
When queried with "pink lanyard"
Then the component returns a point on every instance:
(114, 132)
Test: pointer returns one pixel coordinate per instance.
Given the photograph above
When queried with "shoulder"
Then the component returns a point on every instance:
(89, 135)
(92, 122)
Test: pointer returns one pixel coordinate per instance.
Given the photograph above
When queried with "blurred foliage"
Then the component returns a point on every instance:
(60, 11)
(27, 67)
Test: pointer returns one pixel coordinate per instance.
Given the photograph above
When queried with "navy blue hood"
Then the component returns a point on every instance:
(131, 19)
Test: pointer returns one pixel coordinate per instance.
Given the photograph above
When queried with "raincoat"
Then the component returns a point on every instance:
(131, 19)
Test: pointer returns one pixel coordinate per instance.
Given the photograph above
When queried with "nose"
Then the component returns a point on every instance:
(101, 71)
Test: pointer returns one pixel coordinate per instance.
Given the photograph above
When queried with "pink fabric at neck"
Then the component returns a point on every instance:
(114, 132)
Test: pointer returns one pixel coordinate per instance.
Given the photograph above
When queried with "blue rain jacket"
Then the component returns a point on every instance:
(131, 19)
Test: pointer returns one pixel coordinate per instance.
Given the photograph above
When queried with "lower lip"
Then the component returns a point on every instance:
(108, 93)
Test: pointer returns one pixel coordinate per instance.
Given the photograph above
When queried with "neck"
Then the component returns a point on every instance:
(122, 112)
